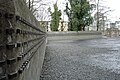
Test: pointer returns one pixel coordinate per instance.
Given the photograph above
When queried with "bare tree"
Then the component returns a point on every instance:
(38, 8)
(100, 11)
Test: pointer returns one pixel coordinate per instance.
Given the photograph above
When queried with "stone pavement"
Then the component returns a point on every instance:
(95, 59)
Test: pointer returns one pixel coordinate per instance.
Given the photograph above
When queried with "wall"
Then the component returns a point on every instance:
(22, 43)
(73, 35)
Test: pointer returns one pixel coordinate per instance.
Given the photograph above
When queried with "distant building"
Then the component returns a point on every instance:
(117, 24)
(112, 25)
(112, 32)
(44, 24)
(63, 25)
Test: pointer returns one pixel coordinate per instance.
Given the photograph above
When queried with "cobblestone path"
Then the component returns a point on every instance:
(97, 59)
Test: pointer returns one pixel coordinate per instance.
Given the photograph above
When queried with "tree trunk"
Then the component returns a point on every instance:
(98, 15)
(29, 4)
(97, 25)
(79, 28)
(84, 28)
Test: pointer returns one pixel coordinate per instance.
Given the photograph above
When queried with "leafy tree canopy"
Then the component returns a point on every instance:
(55, 18)
(79, 14)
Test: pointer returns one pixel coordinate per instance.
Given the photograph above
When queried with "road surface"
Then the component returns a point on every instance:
(95, 59)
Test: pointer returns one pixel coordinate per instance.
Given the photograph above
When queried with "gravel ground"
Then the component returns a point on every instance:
(96, 59)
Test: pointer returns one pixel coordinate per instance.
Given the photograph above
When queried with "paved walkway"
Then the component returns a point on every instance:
(97, 59)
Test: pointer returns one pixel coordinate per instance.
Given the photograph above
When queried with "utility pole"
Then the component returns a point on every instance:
(97, 15)
(29, 4)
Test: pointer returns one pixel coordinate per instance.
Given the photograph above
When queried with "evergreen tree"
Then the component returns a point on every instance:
(55, 18)
(79, 14)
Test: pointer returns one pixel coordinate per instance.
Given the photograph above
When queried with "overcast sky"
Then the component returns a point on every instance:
(113, 4)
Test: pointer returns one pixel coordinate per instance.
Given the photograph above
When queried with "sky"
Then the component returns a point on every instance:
(113, 4)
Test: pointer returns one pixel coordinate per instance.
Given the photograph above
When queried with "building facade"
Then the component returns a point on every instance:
(63, 25)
